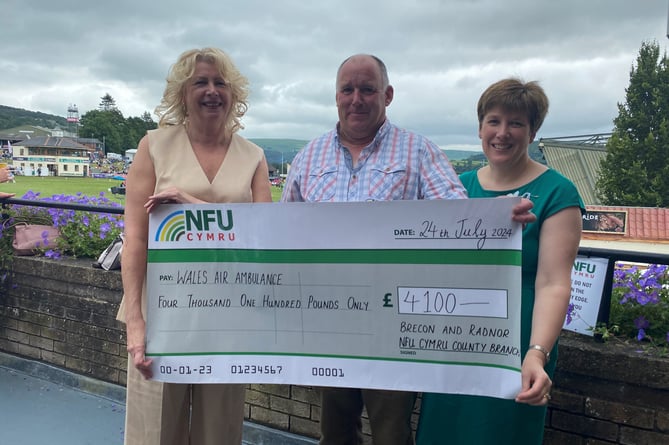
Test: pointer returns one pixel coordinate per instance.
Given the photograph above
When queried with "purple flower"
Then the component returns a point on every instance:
(45, 238)
(641, 323)
(620, 278)
(52, 254)
(570, 313)
(658, 269)
(643, 297)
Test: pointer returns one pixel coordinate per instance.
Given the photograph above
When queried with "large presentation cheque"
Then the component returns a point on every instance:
(406, 295)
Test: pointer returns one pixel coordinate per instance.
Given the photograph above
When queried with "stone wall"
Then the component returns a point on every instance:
(608, 393)
(63, 313)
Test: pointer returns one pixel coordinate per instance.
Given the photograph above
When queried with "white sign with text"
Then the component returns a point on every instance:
(587, 285)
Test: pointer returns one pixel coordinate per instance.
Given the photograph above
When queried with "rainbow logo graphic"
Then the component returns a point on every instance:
(172, 227)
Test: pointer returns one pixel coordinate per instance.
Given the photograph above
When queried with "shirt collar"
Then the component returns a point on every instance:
(380, 134)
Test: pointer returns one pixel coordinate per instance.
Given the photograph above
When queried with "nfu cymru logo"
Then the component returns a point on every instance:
(198, 225)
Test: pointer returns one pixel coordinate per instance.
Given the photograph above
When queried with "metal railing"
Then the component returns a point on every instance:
(62, 205)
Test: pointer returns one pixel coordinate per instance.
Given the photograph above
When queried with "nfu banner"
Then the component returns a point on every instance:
(587, 286)
(407, 295)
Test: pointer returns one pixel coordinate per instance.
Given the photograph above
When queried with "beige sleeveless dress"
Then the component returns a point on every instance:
(158, 413)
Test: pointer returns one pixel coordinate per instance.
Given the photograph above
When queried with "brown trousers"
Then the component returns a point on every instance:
(158, 413)
(389, 415)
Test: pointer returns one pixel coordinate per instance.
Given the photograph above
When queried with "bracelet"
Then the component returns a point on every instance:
(541, 349)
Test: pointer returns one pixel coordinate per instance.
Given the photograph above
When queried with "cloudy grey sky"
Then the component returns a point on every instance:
(441, 54)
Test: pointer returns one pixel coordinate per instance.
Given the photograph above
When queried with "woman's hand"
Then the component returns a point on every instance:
(522, 212)
(536, 385)
(136, 332)
(171, 195)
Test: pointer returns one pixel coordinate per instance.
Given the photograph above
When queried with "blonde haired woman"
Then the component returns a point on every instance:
(195, 156)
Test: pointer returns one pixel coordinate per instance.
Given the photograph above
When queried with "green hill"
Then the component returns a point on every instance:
(280, 145)
(456, 155)
(279, 150)
(16, 117)
(275, 148)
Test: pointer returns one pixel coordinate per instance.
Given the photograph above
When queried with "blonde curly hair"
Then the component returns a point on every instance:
(172, 110)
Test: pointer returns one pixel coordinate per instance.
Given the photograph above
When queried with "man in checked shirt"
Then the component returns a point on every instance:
(367, 158)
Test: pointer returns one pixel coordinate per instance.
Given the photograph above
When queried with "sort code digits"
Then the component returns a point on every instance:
(256, 369)
(185, 370)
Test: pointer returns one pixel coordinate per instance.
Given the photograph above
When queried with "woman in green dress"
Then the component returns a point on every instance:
(510, 113)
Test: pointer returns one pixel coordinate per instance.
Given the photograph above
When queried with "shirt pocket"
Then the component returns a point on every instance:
(387, 182)
(321, 184)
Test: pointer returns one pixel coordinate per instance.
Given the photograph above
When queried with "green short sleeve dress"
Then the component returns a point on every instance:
(454, 419)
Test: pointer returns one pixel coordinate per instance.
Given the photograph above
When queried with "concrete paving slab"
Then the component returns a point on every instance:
(42, 404)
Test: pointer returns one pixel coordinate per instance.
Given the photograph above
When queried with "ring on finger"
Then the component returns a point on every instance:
(547, 396)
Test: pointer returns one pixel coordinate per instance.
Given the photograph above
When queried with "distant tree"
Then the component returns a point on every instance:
(635, 171)
(136, 128)
(146, 117)
(107, 126)
(107, 103)
(119, 134)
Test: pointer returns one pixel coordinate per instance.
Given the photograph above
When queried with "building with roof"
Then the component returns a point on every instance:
(12, 136)
(577, 158)
(639, 229)
(635, 229)
(52, 156)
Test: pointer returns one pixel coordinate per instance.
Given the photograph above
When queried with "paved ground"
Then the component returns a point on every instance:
(36, 411)
(42, 404)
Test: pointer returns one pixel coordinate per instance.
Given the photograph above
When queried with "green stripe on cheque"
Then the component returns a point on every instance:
(332, 256)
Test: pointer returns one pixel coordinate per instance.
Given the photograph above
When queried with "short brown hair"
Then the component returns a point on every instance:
(515, 95)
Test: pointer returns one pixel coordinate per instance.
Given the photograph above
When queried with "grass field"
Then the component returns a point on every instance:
(55, 185)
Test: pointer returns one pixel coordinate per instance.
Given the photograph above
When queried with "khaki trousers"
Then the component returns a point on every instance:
(389, 415)
(182, 414)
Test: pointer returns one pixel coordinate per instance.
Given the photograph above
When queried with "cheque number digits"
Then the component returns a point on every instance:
(327, 372)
